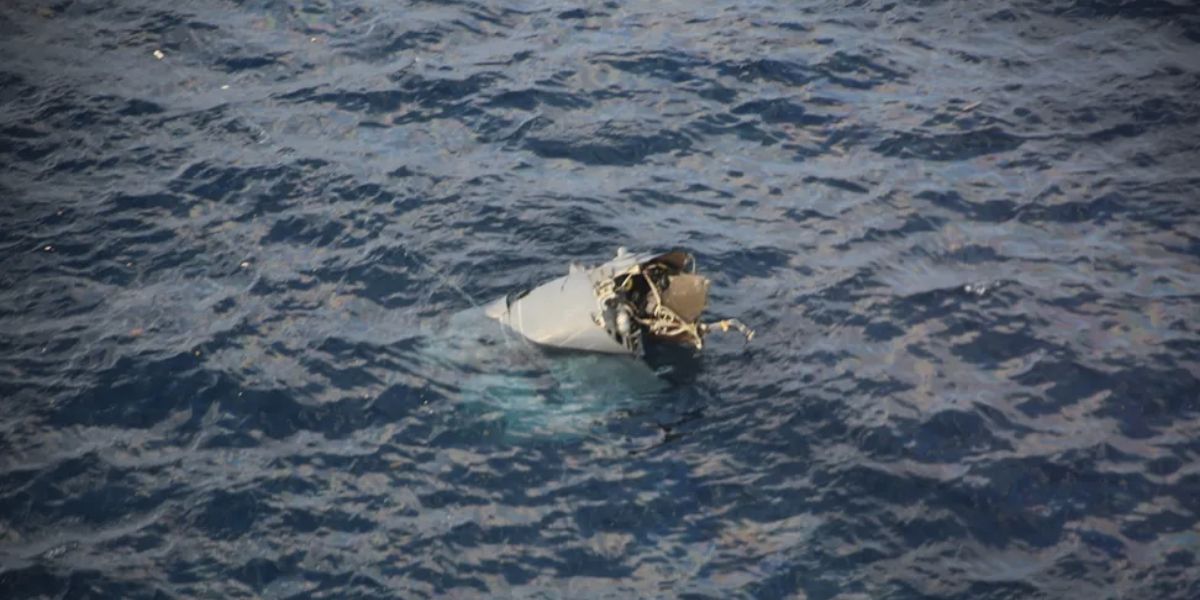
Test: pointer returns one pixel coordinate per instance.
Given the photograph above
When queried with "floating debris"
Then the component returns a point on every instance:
(977, 289)
(617, 307)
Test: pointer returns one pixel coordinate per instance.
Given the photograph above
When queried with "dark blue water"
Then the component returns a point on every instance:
(238, 354)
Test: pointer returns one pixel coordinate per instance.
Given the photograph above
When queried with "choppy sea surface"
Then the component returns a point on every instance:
(243, 247)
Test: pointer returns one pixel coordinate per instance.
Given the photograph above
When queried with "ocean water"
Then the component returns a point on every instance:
(244, 244)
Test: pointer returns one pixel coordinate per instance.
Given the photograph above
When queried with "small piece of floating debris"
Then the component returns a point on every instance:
(618, 307)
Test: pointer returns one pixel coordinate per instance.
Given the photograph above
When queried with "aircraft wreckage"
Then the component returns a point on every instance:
(620, 307)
